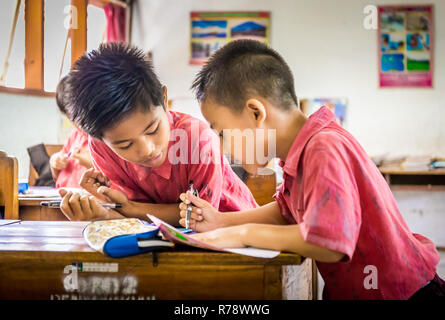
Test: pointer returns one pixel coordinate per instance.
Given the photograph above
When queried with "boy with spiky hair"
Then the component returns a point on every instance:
(144, 155)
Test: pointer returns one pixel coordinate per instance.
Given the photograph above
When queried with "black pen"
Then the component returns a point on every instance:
(189, 206)
(56, 204)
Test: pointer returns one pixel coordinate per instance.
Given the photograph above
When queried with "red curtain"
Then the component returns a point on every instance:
(116, 23)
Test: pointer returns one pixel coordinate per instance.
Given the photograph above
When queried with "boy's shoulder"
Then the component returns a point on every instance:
(78, 135)
(332, 142)
(186, 121)
(195, 129)
(329, 136)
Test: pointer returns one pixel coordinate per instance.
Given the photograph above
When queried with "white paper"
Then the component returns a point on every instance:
(49, 192)
(255, 252)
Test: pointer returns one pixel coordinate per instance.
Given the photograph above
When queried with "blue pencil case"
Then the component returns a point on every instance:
(132, 244)
(124, 237)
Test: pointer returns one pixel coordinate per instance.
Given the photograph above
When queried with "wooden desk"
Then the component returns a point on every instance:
(31, 210)
(397, 175)
(42, 259)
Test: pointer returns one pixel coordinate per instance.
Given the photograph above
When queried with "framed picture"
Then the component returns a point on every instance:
(337, 105)
(211, 30)
(405, 46)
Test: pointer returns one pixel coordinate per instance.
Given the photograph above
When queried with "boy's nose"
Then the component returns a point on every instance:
(146, 148)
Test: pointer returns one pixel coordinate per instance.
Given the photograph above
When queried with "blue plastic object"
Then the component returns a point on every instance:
(128, 244)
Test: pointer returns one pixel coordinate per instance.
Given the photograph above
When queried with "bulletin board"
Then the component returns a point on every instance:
(209, 31)
(405, 48)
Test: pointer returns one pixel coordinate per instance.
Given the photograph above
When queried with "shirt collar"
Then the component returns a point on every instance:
(316, 122)
(165, 169)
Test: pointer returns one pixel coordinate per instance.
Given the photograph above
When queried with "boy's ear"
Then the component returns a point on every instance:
(165, 97)
(257, 109)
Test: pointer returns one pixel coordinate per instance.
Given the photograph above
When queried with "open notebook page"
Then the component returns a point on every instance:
(173, 234)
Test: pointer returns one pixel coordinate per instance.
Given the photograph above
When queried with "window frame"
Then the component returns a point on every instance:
(34, 44)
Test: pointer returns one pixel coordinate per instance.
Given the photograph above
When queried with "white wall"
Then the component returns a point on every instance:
(24, 122)
(330, 53)
(28, 120)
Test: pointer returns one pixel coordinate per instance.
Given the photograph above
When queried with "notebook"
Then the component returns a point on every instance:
(176, 236)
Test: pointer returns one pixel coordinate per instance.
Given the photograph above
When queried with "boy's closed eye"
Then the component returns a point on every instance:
(153, 132)
(126, 147)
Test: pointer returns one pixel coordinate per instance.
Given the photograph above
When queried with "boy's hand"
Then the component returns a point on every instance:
(82, 208)
(99, 186)
(231, 237)
(82, 156)
(58, 161)
(203, 217)
(92, 180)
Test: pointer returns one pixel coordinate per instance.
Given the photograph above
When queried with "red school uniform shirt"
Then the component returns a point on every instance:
(341, 202)
(198, 160)
(70, 176)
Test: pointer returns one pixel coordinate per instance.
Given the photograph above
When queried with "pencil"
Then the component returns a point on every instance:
(56, 204)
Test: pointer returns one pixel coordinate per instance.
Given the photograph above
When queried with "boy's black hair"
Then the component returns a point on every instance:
(110, 83)
(62, 94)
(244, 68)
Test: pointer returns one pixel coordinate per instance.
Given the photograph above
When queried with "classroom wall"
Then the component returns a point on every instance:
(26, 121)
(324, 42)
(331, 55)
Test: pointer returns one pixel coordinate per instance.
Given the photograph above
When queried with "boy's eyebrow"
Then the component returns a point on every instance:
(126, 140)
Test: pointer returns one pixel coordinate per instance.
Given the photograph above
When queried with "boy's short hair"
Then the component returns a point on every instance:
(244, 68)
(110, 83)
(62, 94)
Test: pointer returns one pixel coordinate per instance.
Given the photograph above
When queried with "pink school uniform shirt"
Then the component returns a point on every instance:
(342, 202)
(70, 176)
(215, 180)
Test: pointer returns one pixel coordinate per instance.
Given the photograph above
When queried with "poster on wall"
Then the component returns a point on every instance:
(212, 30)
(405, 46)
(337, 105)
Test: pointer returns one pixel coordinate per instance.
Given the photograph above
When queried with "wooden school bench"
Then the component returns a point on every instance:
(9, 187)
(51, 260)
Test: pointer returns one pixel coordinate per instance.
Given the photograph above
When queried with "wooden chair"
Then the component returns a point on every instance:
(9, 186)
(50, 149)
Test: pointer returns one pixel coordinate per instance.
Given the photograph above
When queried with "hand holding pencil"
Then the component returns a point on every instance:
(203, 216)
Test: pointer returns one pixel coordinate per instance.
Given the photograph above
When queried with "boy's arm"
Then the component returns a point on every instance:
(57, 162)
(275, 237)
(167, 212)
(205, 217)
(99, 185)
(267, 214)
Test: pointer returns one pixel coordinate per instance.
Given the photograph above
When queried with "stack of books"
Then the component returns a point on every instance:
(416, 163)
(437, 163)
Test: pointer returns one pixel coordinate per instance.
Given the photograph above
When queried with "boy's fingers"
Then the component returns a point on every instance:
(75, 206)
(192, 224)
(200, 203)
(62, 192)
(183, 198)
(183, 206)
(85, 205)
(86, 176)
(95, 207)
(194, 215)
(112, 195)
(64, 205)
